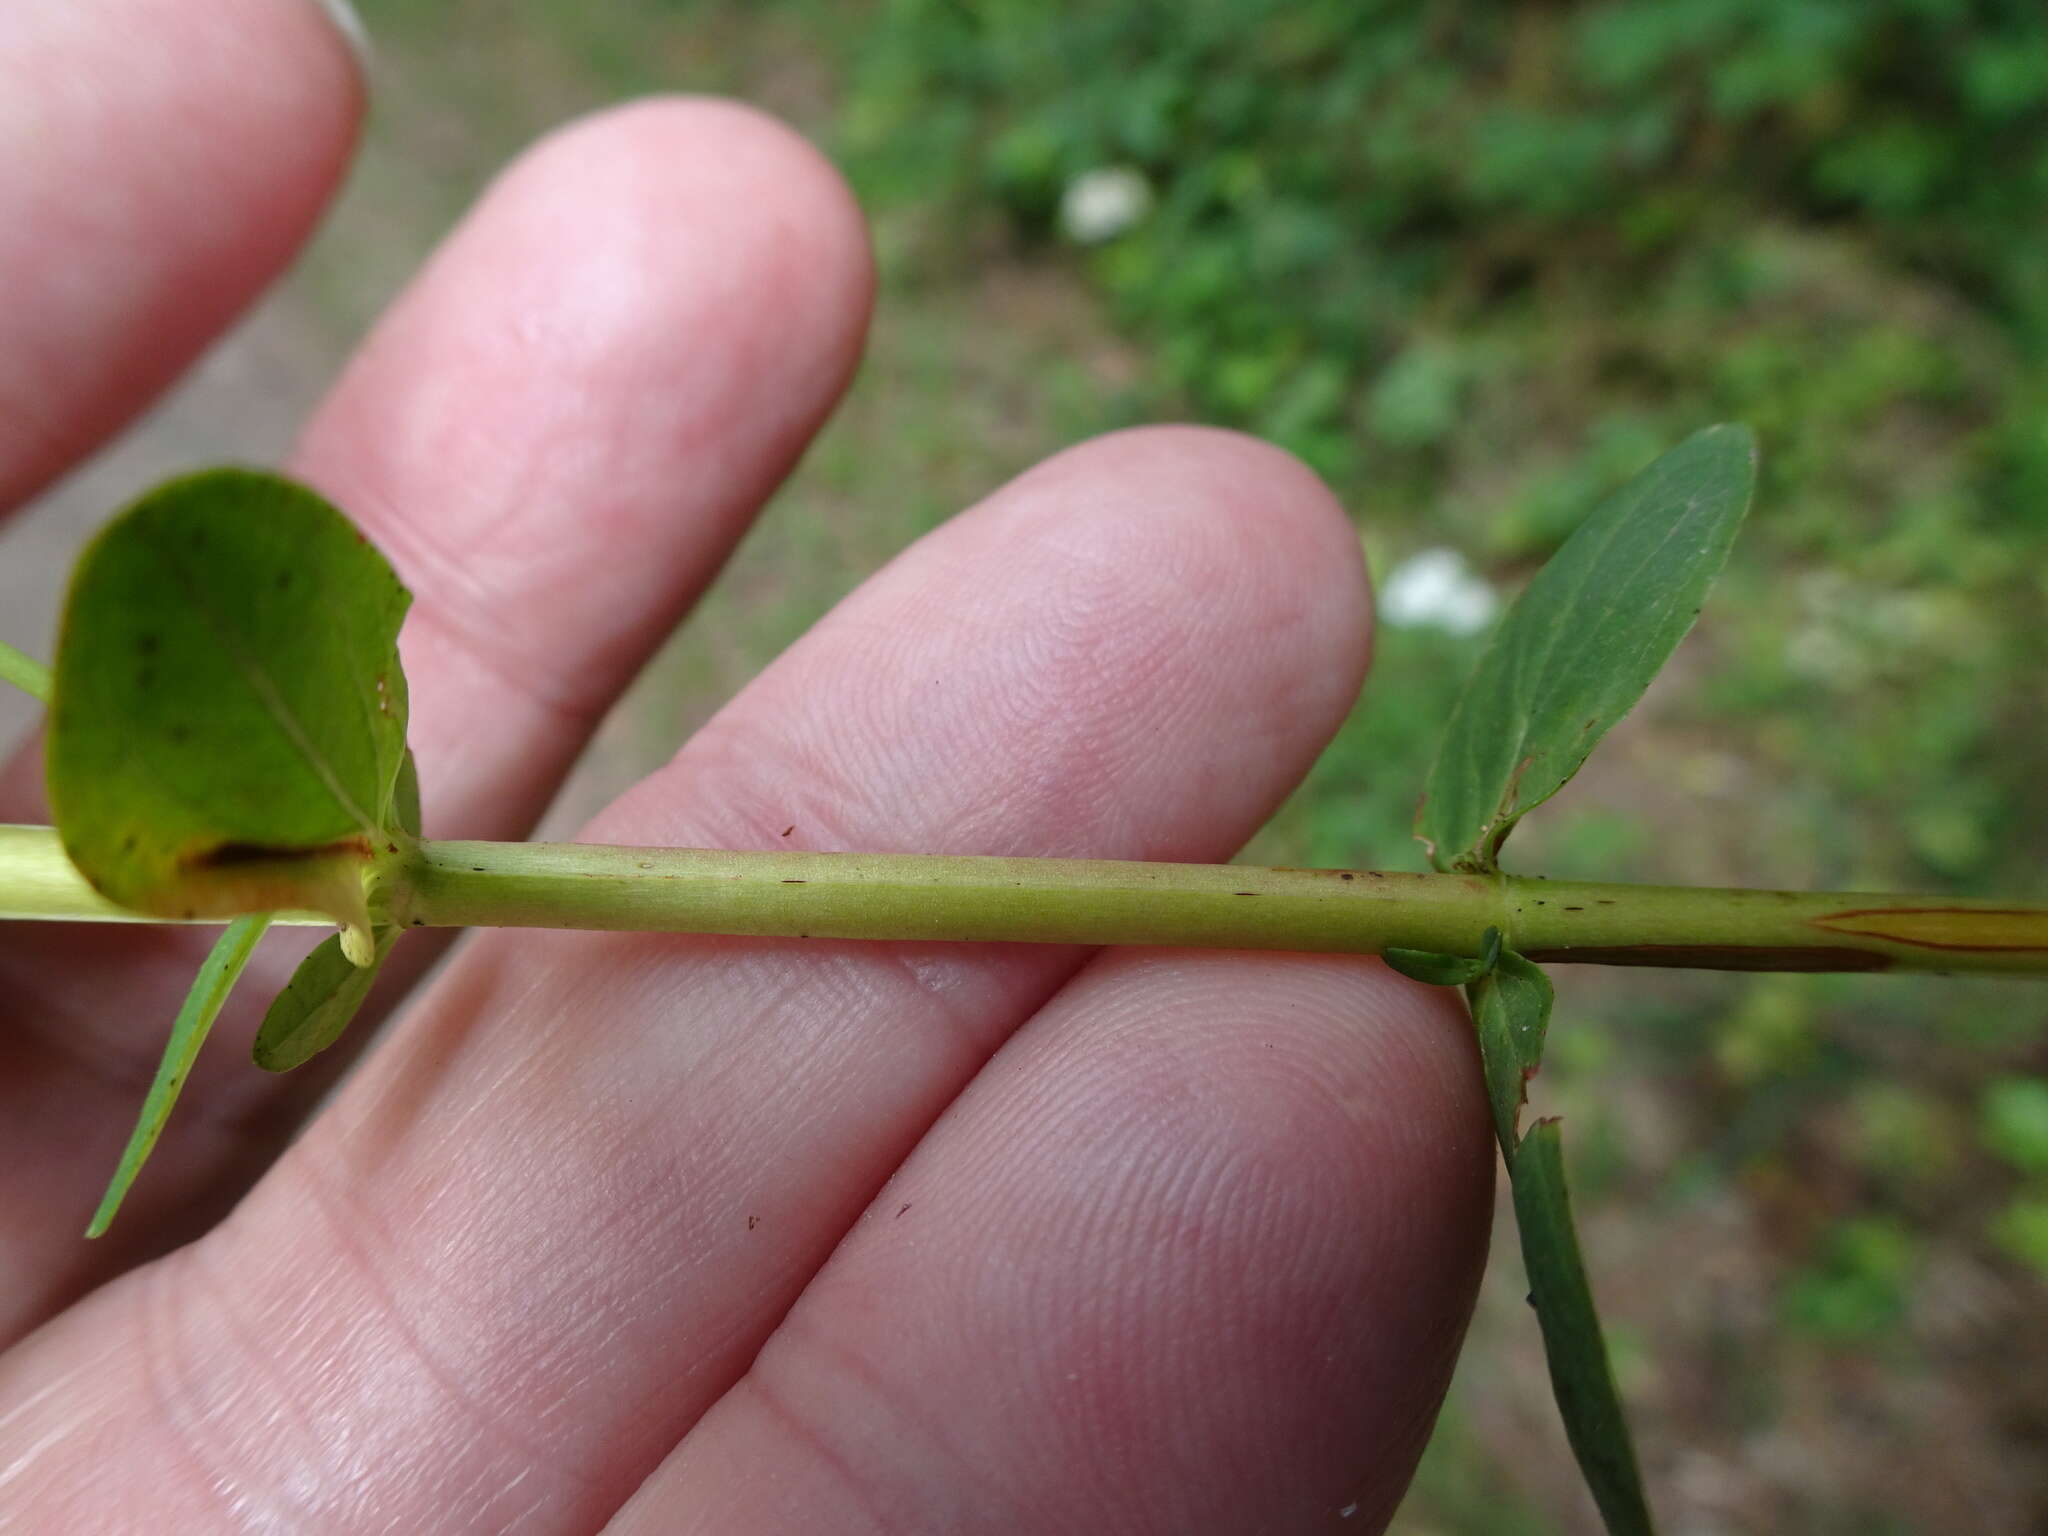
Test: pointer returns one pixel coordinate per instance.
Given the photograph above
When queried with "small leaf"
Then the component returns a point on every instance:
(1511, 1011)
(210, 988)
(1446, 970)
(405, 796)
(1581, 644)
(1580, 1374)
(317, 1003)
(228, 729)
(25, 673)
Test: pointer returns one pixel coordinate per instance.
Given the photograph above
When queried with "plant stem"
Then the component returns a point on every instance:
(30, 676)
(1095, 901)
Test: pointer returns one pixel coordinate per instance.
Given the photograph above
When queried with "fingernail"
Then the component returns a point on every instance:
(350, 26)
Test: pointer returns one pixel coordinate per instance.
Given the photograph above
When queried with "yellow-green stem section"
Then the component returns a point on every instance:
(1086, 901)
(1092, 901)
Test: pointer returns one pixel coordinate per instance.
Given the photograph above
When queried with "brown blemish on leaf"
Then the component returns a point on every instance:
(233, 855)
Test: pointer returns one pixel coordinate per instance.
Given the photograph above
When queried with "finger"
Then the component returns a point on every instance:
(557, 435)
(568, 1200)
(1193, 1254)
(163, 162)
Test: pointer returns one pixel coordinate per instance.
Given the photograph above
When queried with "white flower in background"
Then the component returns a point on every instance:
(1102, 204)
(1436, 590)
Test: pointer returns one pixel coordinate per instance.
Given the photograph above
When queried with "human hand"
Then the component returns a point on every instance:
(707, 1234)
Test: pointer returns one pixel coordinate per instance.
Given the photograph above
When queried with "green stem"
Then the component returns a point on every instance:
(1089, 901)
(30, 676)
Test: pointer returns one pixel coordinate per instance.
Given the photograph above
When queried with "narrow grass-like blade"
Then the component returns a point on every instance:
(210, 989)
(25, 673)
(1580, 1374)
(1582, 642)
(1511, 1011)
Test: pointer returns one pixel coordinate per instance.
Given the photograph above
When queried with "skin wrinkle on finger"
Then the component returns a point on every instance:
(594, 410)
(607, 1237)
(1039, 658)
(126, 247)
(493, 739)
(1159, 1269)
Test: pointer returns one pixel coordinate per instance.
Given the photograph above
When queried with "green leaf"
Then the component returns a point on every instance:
(1580, 1375)
(229, 720)
(317, 1003)
(1446, 970)
(1511, 1011)
(30, 676)
(210, 988)
(2013, 1122)
(1581, 644)
(405, 798)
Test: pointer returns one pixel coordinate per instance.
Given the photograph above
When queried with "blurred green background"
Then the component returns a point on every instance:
(1477, 262)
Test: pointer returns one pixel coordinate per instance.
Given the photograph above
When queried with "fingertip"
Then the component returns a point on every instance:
(1270, 536)
(624, 346)
(182, 155)
(348, 22)
(788, 223)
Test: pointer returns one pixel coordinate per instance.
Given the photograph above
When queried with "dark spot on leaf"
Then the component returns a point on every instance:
(902, 1208)
(478, 868)
(146, 644)
(1347, 875)
(284, 580)
(1575, 909)
(753, 1222)
(792, 882)
(789, 829)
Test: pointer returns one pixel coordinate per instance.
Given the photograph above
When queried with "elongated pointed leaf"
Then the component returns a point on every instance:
(210, 989)
(1511, 1011)
(228, 725)
(1446, 970)
(30, 676)
(1580, 1374)
(1581, 644)
(317, 1004)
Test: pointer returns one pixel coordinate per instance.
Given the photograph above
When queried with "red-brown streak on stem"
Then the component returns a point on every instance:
(1992, 930)
(1719, 957)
